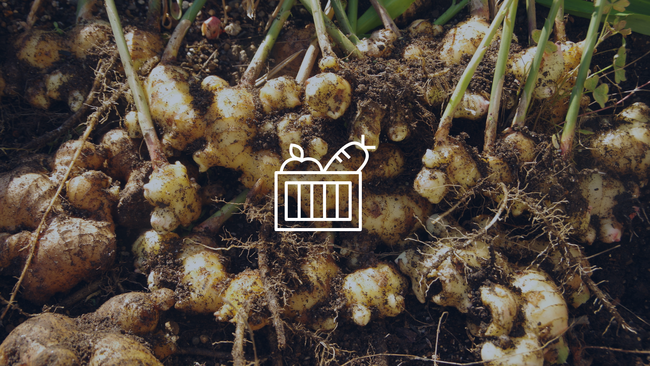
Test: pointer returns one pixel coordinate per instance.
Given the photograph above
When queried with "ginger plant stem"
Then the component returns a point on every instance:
(385, 17)
(214, 222)
(344, 22)
(171, 51)
(446, 120)
(451, 12)
(153, 15)
(560, 29)
(307, 63)
(336, 34)
(321, 32)
(154, 146)
(566, 142)
(254, 68)
(353, 8)
(532, 19)
(499, 77)
(531, 80)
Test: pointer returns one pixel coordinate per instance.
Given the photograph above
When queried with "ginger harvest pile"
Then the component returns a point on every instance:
(495, 237)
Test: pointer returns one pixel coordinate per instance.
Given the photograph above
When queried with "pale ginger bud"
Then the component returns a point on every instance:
(214, 84)
(379, 288)
(278, 94)
(431, 184)
(242, 293)
(204, 278)
(462, 40)
(151, 244)
(473, 106)
(132, 125)
(626, 149)
(90, 191)
(327, 95)
(379, 44)
(422, 27)
(175, 197)
(143, 46)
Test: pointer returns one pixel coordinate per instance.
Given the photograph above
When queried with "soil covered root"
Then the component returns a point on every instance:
(40, 56)
(98, 338)
(69, 249)
(469, 271)
(204, 285)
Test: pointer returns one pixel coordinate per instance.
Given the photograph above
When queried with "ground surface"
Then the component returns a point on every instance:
(425, 331)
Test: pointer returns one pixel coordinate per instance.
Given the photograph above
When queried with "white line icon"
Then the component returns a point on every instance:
(316, 187)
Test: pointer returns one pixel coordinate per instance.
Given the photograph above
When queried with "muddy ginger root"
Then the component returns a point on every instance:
(319, 273)
(243, 292)
(377, 291)
(448, 165)
(170, 101)
(626, 149)
(53, 339)
(176, 198)
(327, 95)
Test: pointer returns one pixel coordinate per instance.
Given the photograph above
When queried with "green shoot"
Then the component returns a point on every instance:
(353, 8)
(321, 33)
(531, 80)
(57, 29)
(341, 40)
(532, 19)
(499, 77)
(371, 20)
(451, 12)
(255, 66)
(212, 225)
(566, 142)
(446, 120)
(171, 51)
(344, 23)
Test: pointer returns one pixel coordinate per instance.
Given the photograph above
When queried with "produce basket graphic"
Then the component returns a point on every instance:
(321, 195)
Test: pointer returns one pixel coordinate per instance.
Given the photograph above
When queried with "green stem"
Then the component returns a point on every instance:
(341, 40)
(532, 19)
(445, 122)
(386, 18)
(171, 51)
(531, 80)
(321, 32)
(451, 12)
(211, 225)
(156, 154)
(371, 20)
(499, 77)
(254, 68)
(568, 132)
(153, 15)
(344, 21)
(353, 8)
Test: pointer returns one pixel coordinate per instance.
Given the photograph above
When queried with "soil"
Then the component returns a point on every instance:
(424, 333)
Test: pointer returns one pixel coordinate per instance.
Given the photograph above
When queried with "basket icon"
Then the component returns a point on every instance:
(317, 192)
